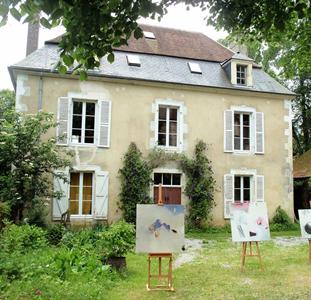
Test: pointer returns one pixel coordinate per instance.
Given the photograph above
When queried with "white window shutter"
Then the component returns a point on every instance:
(101, 195)
(228, 131)
(60, 205)
(228, 194)
(63, 121)
(260, 188)
(260, 138)
(104, 123)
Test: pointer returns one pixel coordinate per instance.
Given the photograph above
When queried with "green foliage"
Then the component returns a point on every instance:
(200, 186)
(281, 221)
(55, 234)
(22, 238)
(135, 177)
(7, 101)
(27, 163)
(118, 240)
(93, 28)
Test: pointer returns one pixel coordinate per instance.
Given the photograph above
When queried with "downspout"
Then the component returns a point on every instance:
(40, 92)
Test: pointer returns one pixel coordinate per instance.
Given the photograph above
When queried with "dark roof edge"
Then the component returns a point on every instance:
(148, 80)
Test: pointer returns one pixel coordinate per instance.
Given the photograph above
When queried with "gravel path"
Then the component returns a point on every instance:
(290, 241)
(192, 249)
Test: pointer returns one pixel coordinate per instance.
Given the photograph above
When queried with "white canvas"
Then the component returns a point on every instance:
(159, 229)
(305, 222)
(249, 222)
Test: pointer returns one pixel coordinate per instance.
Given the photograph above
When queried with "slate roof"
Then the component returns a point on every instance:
(162, 68)
(174, 42)
(302, 165)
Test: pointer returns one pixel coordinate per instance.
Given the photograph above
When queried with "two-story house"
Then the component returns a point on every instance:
(166, 90)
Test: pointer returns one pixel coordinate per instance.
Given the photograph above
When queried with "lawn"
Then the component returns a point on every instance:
(213, 274)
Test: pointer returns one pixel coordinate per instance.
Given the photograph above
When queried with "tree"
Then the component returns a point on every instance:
(27, 162)
(94, 28)
(200, 186)
(135, 177)
(7, 101)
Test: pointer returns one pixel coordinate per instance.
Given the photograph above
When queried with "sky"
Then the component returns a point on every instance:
(13, 35)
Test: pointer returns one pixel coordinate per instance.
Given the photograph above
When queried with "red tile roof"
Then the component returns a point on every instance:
(302, 165)
(177, 43)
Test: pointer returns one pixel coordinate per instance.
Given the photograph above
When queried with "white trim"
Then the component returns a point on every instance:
(243, 171)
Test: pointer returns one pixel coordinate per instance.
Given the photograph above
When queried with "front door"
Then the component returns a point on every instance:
(171, 187)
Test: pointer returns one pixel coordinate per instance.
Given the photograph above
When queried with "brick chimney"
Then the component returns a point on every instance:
(32, 38)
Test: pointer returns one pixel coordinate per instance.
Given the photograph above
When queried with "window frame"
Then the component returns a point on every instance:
(168, 185)
(238, 74)
(179, 135)
(251, 188)
(80, 203)
(96, 121)
(252, 128)
(241, 125)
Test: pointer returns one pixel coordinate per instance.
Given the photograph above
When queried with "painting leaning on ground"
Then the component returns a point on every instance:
(305, 222)
(159, 229)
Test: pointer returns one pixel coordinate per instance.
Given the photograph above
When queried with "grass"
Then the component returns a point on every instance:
(214, 274)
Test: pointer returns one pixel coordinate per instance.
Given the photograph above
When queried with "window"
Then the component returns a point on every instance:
(241, 74)
(81, 193)
(242, 188)
(195, 68)
(83, 122)
(168, 126)
(133, 60)
(167, 179)
(242, 131)
(149, 35)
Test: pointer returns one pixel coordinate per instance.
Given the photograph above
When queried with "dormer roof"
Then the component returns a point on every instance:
(241, 56)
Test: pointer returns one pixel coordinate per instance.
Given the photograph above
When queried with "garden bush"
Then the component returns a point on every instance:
(55, 234)
(118, 240)
(22, 238)
(281, 221)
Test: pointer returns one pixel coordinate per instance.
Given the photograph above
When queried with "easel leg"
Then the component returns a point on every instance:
(259, 256)
(149, 272)
(170, 274)
(160, 269)
(244, 245)
(250, 249)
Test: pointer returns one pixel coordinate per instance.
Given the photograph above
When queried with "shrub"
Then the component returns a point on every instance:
(200, 186)
(135, 177)
(281, 221)
(118, 240)
(4, 212)
(80, 238)
(55, 234)
(22, 238)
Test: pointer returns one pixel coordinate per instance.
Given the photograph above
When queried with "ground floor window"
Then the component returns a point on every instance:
(81, 193)
(171, 187)
(242, 188)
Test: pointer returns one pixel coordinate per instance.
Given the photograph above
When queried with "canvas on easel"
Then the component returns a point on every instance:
(305, 222)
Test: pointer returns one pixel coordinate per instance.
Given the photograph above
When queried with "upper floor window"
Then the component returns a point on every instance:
(241, 74)
(242, 131)
(83, 122)
(168, 126)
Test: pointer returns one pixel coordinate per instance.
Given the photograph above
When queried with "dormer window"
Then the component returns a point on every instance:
(133, 60)
(241, 74)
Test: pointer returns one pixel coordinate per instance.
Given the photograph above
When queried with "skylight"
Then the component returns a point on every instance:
(194, 68)
(133, 60)
(149, 35)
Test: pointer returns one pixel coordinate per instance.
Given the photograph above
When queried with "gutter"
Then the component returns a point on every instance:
(91, 74)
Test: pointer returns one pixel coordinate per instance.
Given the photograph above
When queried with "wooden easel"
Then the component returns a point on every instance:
(169, 276)
(250, 254)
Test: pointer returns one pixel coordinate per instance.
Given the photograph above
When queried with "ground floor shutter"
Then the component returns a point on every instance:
(228, 194)
(60, 204)
(260, 188)
(101, 195)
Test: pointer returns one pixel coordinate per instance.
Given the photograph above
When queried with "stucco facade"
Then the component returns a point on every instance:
(132, 120)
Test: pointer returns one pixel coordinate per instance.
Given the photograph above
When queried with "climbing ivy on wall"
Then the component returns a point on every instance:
(135, 177)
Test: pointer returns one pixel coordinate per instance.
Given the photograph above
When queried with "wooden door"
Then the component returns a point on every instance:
(170, 195)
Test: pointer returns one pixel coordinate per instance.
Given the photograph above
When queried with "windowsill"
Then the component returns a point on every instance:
(169, 149)
(82, 145)
(243, 152)
(168, 186)
(76, 217)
